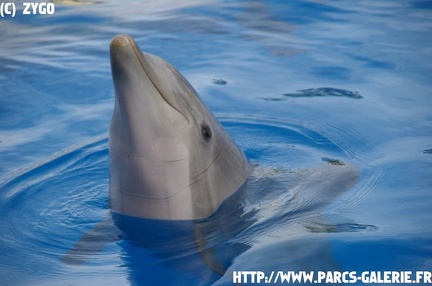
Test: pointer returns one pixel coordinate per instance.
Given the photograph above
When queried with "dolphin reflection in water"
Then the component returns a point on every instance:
(179, 184)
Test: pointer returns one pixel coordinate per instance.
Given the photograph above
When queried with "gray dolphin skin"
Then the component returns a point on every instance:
(170, 158)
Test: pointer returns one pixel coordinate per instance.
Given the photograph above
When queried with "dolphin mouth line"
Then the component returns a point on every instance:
(195, 179)
(121, 155)
(138, 55)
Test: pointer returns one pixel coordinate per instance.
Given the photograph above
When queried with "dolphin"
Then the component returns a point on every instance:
(172, 161)
(170, 158)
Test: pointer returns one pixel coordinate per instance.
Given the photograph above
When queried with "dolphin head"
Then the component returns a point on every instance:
(170, 158)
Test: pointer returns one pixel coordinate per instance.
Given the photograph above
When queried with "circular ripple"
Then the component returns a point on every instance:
(48, 206)
(281, 149)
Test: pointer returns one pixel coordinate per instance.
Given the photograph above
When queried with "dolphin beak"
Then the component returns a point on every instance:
(127, 64)
(123, 49)
(131, 67)
(140, 74)
(120, 44)
(142, 113)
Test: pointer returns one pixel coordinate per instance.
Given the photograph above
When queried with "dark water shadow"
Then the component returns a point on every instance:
(317, 92)
(193, 251)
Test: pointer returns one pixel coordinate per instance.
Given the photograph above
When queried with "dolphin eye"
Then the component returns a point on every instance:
(206, 133)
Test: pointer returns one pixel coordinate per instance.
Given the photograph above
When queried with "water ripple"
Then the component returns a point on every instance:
(47, 206)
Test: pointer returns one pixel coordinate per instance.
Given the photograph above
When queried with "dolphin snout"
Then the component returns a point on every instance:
(120, 41)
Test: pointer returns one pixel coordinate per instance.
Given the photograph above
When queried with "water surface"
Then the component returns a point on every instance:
(298, 84)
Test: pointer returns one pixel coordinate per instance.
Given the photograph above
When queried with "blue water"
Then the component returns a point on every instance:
(297, 84)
